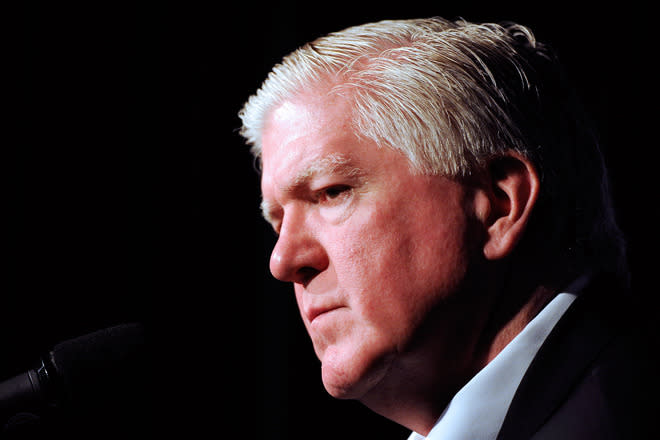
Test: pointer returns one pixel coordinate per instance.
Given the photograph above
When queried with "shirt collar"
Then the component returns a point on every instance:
(479, 408)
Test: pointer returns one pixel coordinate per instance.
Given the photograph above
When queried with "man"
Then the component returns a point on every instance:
(443, 213)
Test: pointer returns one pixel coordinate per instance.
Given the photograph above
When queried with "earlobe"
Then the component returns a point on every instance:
(514, 186)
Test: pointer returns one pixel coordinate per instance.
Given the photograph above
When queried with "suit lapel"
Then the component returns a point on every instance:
(572, 346)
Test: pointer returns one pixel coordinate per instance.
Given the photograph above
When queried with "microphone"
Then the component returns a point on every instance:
(85, 372)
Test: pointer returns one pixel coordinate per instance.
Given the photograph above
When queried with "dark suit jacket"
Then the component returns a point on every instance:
(593, 378)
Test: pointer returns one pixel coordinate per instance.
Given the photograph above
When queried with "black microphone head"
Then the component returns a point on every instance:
(100, 367)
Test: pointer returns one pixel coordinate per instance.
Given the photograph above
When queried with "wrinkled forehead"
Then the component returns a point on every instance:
(310, 131)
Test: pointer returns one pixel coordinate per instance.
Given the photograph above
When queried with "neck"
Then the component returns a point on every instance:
(501, 332)
(411, 396)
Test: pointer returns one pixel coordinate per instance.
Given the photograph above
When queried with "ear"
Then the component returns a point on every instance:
(511, 186)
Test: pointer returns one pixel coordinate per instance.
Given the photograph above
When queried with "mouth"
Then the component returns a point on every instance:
(314, 313)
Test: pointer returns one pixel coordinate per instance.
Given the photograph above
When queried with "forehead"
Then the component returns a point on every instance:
(309, 135)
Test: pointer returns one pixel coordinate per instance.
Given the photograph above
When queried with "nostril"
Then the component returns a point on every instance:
(297, 267)
(305, 275)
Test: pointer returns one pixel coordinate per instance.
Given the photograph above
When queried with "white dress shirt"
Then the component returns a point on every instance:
(477, 411)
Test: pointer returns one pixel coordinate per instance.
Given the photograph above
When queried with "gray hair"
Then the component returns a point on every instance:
(451, 95)
(423, 87)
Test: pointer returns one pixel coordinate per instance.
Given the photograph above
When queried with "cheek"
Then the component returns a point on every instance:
(399, 267)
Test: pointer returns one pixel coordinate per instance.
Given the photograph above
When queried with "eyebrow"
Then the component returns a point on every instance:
(334, 163)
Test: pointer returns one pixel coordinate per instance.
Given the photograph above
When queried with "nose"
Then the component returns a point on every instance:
(298, 255)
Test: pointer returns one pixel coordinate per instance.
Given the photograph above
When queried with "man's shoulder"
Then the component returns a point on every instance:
(610, 399)
(590, 377)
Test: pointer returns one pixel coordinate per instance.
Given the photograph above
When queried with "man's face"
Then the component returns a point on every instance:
(371, 247)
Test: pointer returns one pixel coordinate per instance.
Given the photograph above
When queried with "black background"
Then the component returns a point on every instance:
(131, 197)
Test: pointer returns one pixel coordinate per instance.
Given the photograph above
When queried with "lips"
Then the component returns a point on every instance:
(311, 313)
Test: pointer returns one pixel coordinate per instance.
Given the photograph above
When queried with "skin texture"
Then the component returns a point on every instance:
(392, 270)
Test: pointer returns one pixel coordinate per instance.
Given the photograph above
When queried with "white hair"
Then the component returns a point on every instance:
(425, 87)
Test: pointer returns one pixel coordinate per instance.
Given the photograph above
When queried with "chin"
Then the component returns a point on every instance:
(345, 377)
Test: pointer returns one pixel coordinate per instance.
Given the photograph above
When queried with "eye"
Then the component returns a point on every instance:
(333, 193)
